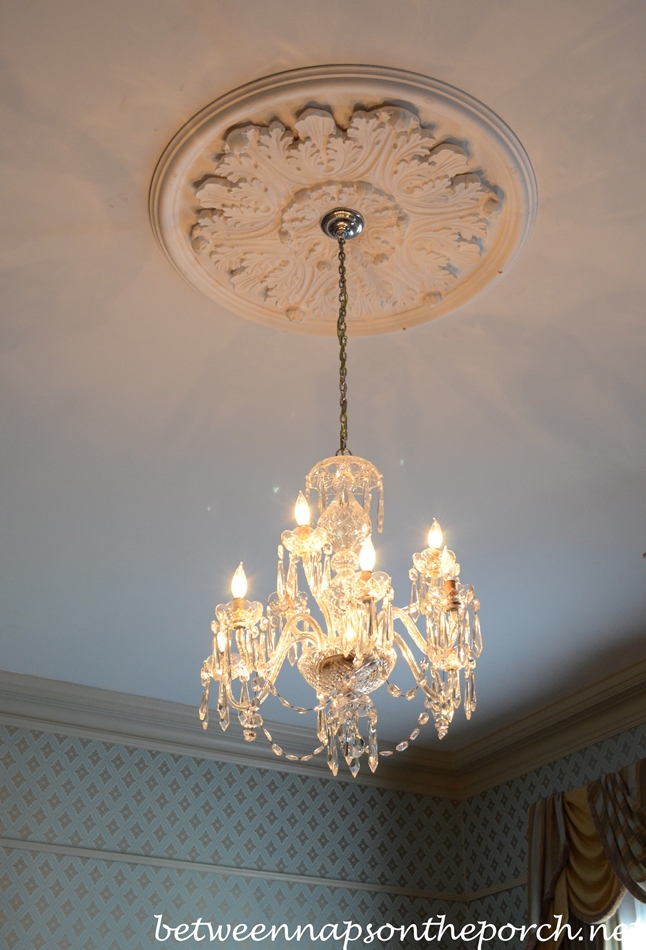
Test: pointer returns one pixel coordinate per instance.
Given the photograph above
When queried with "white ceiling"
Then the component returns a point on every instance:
(151, 441)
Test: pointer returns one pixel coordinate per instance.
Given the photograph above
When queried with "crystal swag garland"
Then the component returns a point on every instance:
(355, 651)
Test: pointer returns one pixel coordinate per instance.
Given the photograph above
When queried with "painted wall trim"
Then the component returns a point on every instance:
(96, 855)
(559, 729)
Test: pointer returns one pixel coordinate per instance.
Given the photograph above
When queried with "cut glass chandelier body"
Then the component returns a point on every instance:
(353, 651)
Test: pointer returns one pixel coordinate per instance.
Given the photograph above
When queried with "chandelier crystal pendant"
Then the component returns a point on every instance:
(353, 652)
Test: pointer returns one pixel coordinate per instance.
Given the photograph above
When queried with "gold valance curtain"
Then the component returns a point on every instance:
(586, 848)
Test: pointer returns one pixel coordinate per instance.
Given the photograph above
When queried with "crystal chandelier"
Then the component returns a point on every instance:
(351, 651)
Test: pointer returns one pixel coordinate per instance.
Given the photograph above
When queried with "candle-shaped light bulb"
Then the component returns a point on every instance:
(435, 535)
(302, 510)
(239, 582)
(367, 555)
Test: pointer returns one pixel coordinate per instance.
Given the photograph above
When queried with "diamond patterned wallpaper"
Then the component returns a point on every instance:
(70, 792)
(89, 794)
(81, 793)
(54, 901)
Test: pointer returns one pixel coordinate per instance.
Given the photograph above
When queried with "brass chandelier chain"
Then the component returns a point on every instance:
(342, 335)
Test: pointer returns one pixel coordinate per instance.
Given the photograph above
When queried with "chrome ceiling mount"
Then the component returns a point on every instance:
(342, 223)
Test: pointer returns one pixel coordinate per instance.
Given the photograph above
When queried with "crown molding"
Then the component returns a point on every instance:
(588, 716)
(54, 706)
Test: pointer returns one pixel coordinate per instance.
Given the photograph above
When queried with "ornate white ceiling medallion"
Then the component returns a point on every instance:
(446, 191)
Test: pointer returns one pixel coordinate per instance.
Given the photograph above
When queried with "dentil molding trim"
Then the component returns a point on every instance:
(446, 190)
(588, 716)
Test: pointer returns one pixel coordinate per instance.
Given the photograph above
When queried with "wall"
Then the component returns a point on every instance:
(495, 822)
(71, 798)
(99, 837)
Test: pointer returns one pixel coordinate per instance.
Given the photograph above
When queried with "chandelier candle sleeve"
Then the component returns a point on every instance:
(350, 648)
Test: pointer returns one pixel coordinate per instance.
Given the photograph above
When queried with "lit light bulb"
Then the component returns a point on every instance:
(367, 555)
(302, 510)
(435, 535)
(222, 641)
(239, 582)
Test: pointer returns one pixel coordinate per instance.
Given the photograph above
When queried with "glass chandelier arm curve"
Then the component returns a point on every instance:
(415, 635)
(407, 654)
(291, 635)
(323, 606)
(238, 705)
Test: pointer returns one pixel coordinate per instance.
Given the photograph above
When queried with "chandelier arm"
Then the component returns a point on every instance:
(342, 336)
(290, 635)
(323, 607)
(415, 635)
(410, 659)
(232, 701)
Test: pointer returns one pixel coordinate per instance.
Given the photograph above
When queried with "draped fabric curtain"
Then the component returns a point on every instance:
(586, 848)
(618, 806)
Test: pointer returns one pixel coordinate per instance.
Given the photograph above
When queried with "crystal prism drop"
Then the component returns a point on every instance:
(292, 578)
(223, 709)
(373, 752)
(327, 574)
(280, 579)
(333, 756)
(204, 706)
(321, 728)
(477, 637)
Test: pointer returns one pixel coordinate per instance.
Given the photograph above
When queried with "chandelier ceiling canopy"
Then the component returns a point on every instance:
(446, 190)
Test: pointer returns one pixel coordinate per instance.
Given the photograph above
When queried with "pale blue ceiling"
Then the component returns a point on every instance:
(151, 441)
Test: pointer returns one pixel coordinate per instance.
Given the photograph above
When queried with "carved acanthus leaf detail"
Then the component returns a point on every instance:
(428, 214)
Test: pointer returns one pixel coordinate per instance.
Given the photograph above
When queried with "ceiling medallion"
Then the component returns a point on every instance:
(350, 648)
(445, 188)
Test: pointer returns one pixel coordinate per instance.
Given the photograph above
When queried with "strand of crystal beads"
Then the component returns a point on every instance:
(396, 692)
(277, 750)
(301, 710)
